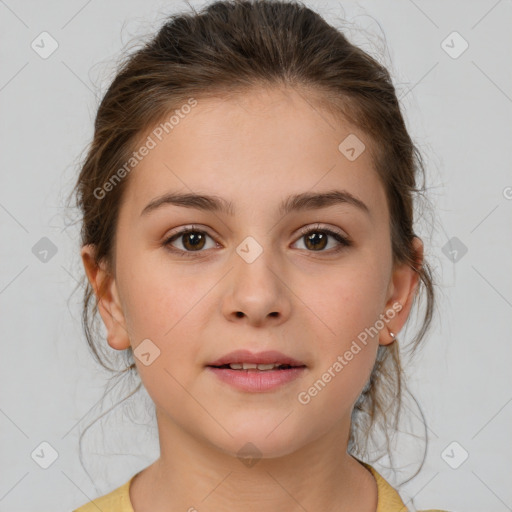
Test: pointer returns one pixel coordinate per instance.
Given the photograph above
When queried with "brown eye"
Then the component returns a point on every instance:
(191, 240)
(316, 240)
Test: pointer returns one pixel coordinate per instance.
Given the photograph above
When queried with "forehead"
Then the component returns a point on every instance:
(253, 147)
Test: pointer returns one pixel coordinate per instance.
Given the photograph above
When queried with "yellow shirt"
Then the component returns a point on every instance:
(118, 500)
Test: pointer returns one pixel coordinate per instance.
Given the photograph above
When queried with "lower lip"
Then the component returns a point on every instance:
(257, 380)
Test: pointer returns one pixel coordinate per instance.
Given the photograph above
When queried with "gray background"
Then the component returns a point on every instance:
(458, 111)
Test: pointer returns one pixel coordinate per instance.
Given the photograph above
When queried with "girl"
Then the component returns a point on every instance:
(248, 236)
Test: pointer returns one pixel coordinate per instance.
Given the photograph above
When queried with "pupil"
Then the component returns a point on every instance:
(319, 236)
(317, 240)
(193, 240)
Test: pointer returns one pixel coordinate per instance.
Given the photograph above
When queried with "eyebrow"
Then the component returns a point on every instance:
(294, 203)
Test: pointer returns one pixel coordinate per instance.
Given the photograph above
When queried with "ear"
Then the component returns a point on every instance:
(109, 305)
(402, 289)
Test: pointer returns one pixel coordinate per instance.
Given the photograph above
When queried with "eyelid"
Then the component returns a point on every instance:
(322, 227)
(183, 230)
(304, 230)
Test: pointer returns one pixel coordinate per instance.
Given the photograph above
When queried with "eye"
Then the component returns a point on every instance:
(191, 240)
(194, 240)
(316, 239)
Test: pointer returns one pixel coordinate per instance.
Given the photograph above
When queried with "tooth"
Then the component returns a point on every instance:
(253, 366)
(266, 366)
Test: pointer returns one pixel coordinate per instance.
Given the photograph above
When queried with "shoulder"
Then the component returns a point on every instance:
(117, 500)
(388, 498)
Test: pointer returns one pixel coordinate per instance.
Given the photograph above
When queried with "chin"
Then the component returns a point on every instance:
(253, 443)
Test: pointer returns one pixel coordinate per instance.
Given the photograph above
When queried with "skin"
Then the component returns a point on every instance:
(254, 150)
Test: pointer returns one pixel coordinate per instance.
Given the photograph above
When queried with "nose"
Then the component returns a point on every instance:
(257, 292)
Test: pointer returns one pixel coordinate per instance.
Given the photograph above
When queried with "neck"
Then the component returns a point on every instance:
(192, 474)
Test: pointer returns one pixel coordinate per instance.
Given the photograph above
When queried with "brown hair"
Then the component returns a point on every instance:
(232, 47)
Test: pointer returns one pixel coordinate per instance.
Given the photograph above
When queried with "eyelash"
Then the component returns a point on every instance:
(343, 241)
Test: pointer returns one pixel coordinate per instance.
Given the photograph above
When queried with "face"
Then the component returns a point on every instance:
(249, 278)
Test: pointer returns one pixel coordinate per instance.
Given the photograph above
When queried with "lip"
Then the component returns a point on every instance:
(253, 380)
(257, 381)
(245, 356)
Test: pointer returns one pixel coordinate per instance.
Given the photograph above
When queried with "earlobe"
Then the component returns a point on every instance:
(109, 305)
(403, 287)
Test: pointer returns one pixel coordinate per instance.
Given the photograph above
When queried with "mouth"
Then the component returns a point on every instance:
(244, 360)
(255, 373)
(256, 367)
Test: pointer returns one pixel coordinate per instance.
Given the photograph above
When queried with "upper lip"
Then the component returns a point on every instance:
(267, 357)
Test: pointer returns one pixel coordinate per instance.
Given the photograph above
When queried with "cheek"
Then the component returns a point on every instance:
(170, 307)
(348, 302)
(347, 299)
(349, 307)
(163, 308)
(157, 297)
